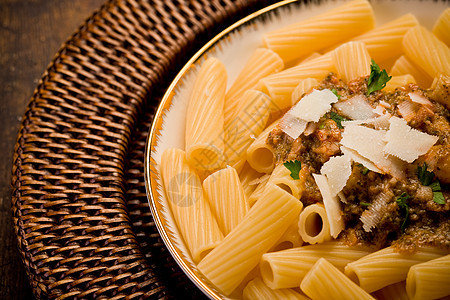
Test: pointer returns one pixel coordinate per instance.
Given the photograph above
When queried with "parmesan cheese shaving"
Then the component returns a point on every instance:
(381, 122)
(370, 143)
(376, 211)
(354, 156)
(405, 142)
(408, 109)
(337, 170)
(418, 98)
(292, 125)
(355, 108)
(314, 105)
(332, 205)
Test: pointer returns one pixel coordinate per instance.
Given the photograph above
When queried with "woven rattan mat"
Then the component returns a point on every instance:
(79, 205)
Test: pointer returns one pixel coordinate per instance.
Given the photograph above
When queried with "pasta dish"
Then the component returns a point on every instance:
(323, 171)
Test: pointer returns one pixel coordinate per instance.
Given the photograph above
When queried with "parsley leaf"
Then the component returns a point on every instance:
(364, 170)
(336, 93)
(294, 166)
(401, 202)
(338, 119)
(377, 78)
(426, 178)
(364, 204)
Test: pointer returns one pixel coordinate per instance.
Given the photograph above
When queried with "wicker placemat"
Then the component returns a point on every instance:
(80, 211)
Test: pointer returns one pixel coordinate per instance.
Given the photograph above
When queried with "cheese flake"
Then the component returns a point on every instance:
(406, 142)
(314, 105)
(337, 170)
(356, 108)
(331, 204)
(370, 143)
(292, 126)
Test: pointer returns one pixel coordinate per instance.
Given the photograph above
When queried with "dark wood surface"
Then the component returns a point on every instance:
(31, 32)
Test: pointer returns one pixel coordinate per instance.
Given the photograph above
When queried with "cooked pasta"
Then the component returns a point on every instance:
(395, 291)
(259, 154)
(319, 32)
(189, 207)
(441, 28)
(248, 123)
(302, 88)
(324, 281)
(249, 179)
(262, 63)
(257, 290)
(352, 60)
(313, 224)
(228, 204)
(227, 264)
(287, 268)
(204, 144)
(426, 50)
(387, 266)
(429, 280)
(399, 81)
(280, 85)
(403, 66)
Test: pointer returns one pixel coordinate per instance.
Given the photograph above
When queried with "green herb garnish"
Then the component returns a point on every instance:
(427, 178)
(364, 204)
(294, 166)
(338, 119)
(364, 170)
(401, 202)
(336, 93)
(377, 78)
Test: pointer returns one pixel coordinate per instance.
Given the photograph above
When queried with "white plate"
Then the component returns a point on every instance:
(241, 38)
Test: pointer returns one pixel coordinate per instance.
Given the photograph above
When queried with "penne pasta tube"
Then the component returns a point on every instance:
(262, 63)
(298, 40)
(403, 66)
(313, 224)
(385, 42)
(429, 280)
(279, 86)
(324, 281)
(386, 266)
(305, 86)
(398, 81)
(228, 264)
(352, 60)
(257, 290)
(287, 268)
(204, 117)
(248, 123)
(441, 28)
(226, 197)
(290, 239)
(440, 87)
(260, 155)
(249, 179)
(189, 208)
(427, 51)
(395, 291)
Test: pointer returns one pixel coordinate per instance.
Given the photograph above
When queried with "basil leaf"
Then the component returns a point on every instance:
(377, 78)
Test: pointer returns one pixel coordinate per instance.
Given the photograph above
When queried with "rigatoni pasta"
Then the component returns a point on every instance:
(387, 266)
(287, 268)
(228, 264)
(229, 205)
(205, 144)
(319, 32)
(324, 281)
(257, 290)
(191, 210)
(429, 280)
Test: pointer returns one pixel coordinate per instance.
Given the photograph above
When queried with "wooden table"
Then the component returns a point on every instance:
(31, 32)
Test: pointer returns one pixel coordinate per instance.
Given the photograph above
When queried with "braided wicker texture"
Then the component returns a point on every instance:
(79, 205)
